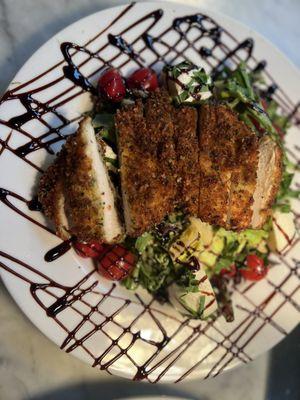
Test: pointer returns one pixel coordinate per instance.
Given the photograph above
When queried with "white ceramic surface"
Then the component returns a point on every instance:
(263, 314)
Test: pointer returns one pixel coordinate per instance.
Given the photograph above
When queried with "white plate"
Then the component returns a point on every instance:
(126, 334)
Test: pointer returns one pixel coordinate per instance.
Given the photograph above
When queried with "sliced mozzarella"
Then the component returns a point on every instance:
(178, 86)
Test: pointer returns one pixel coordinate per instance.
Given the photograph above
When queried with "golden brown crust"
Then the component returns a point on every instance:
(187, 158)
(84, 212)
(228, 165)
(216, 153)
(244, 176)
(147, 158)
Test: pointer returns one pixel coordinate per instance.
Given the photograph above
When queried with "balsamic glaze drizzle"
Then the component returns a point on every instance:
(35, 109)
(58, 250)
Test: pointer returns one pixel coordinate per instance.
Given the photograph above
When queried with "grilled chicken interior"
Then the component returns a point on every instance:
(84, 201)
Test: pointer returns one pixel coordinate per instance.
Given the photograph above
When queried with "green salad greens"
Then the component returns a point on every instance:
(155, 269)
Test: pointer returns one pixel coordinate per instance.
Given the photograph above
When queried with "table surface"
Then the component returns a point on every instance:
(32, 367)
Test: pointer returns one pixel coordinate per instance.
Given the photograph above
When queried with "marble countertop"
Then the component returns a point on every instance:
(32, 367)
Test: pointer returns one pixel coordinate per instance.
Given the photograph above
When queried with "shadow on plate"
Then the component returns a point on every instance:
(115, 389)
(284, 369)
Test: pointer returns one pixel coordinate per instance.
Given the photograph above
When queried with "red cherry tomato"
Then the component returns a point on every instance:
(92, 249)
(230, 273)
(255, 268)
(143, 79)
(116, 263)
(111, 85)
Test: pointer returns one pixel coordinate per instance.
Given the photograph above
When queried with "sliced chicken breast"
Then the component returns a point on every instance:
(243, 172)
(240, 173)
(146, 157)
(51, 195)
(90, 198)
(187, 158)
(216, 158)
(269, 175)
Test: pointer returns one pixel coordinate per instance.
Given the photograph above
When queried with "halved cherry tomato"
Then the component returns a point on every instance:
(111, 85)
(255, 268)
(116, 263)
(143, 79)
(230, 273)
(92, 249)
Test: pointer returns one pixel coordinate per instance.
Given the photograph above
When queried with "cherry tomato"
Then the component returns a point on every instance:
(111, 85)
(230, 273)
(116, 263)
(143, 79)
(92, 249)
(255, 268)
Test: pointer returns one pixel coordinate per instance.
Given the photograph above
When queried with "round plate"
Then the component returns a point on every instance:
(124, 333)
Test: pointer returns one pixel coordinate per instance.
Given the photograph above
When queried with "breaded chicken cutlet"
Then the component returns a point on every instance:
(204, 161)
(76, 193)
(214, 166)
(146, 159)
(187, 158)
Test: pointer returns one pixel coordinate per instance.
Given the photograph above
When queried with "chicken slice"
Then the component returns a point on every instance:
(243, 174)
(216, 155)
(146, 157)
(90, 196)
(240, 173)
(51, 195)
(187, 158)
(269, 175)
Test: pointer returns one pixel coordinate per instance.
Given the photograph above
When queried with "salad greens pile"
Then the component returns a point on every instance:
(155, 269)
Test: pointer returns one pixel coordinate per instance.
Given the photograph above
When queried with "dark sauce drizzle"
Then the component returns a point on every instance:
(58, 250)
(36, 110)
